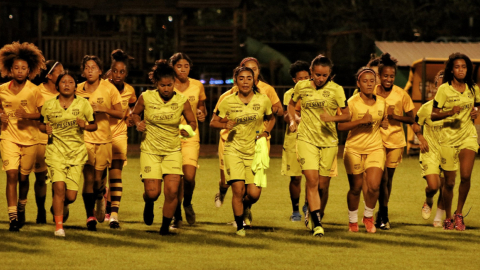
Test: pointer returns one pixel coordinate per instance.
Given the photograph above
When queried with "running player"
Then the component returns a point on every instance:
(106, 102)
(118, 127)
(65, 117)
(398, 103)
(161, 156)
(195, 92)
(300, 70)
(21, 103)
(48, 91)
(430, 156)
(457, 102)
(242, 115)
(263, 88)
(317, 141)
(364, 154)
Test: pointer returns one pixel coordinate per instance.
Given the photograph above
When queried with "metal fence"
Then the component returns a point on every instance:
(211, 136)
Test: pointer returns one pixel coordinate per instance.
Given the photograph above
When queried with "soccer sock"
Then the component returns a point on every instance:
(116, 189)
(58, 222)
(317, 220)
(165, 225)
(439, 215)
(368, 212)
(383, 210)
(21, 205)
(239, 221)
(178, 212)
(40, 202)
(353, 216)
(89, 202)
(429, 201)
(108, 209)
(12, 212)
(295, 203)
(223, 190)
(187, 199)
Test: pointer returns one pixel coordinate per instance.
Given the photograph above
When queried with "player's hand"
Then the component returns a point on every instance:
(298, 119)
(48, 129)
(183, 132)
(263, 134)
(455, 110)
(423, 144)
(200, 115)
(4, 118)
(293, 126)
(474, 113)
(384, 123)
(141, 126)
(81, 123)
(98, 108)
(390, 111)
(230, 124)
(20, 113)
(367, 118)
(325, 117)
(129, 121)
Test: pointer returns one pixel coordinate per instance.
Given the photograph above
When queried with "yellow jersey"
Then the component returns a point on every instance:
(47, 95)
(118, 127)
(194, 93)
(432, 130)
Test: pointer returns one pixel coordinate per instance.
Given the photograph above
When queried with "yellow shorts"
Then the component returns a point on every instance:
(71, 175)
(99, 155)
(449, 155)
(356, 163)
(320, 159)
(237, 168)
(156, 166)
(290, 164)
(18, 157)
(394, 157)
(40, 165)
(190, 152)
(430, 162)
(119, 148)
(221, 147)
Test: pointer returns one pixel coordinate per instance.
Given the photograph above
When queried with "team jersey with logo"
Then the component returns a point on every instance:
(18, 130)
(67, 145)
(432, 130)
(162, 120)
(394, 136)
(365, 138)
(290, 141)
(249, 122)
(119, 126)
(458, 127)
(107, 95)
(47, 95)
(194, 94)
(314, 102)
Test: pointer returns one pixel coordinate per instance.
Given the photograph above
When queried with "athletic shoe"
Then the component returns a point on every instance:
(459, 225)
(296, 216)
(114, 224)
(234, 224)
(100, 209)
(305, 209)
(189, 214)
(176, 224)
(241, 233)
(353, 227)
(426, 211)
(41, 216)
(21, 219)
(448, 224)
(308, 221)
(219, 197)
(92, 224)
(437, 224)
(318, 231)
(148, 213)
(107, 217)
(369, 226)
(60, 233)
(167, 233)
(14, 227)
(379, 223)
(247, 217)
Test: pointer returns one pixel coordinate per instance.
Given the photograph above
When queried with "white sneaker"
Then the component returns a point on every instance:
(219, 197)
(426, 211)
(100, 210)
(60, 233)
(438, 223)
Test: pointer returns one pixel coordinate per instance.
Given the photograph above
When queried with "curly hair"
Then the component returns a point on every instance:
(448, 72)
(160, 70)
(387, 61)
(374, 61)
(27, 52)
(120, 56)
(297, 67)
(179, 56)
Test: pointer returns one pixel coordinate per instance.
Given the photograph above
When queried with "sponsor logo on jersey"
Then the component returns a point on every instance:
(469, 94)
(23, 102)
(7, 104)
(444, 161)
(65, 124)
(147, 169)
(228, 171)
(356, 166)
(246, 118)
(162, 117)
(124, 102)
(425, 167)
(6, 162)
(326, 93)
(256, 106)
(100, 100)
(314, 104)
(174, 106)
(288, 167)
(75, 112)
(191, 98)
(302, 161)
(380, 113)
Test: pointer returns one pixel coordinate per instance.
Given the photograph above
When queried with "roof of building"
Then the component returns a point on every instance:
(408, 52)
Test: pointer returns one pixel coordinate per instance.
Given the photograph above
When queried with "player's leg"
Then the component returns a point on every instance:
(89, 196)
(40, 187)
(467, 159)
(189, 172)
(373, 179)
(328, 167)
(355, 182)
(223, 186)
(433, 184)
(115, 191)
(252, 193)
(103, 160)
(295, 188)
(171, 185)
(238, 191)
(440, 214)
(152, 190)
(58, 203)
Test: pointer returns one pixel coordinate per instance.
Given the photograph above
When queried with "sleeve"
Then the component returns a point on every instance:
(268, 107)
(296, 92)
(298, 106)
(477, 94)
(222, 109)
(351, 108)
(43, 117)
(421, 116)
(202, 95)
(88, 112)
(340, 97)
(115, 96)
(220, 99)
(440, 98)
(133, 97)
(272, 95)
(286, 97)
(39, 97)
(407, 103)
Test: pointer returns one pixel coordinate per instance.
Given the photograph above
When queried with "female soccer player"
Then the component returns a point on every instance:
(300, 70)
(66, 117)
(195, 92)
(242, 114)
(364, 154)
(161, 156)
(21, 103)
(48, 91)
(317, 142)
(430, 156)
(118, 127)
(106, 103)
(398, 103)
(456, 103)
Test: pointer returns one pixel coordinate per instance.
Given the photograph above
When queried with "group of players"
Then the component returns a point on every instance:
(62, 131)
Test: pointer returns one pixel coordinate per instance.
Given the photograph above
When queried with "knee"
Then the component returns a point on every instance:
(296, 181)
(373, 190)
(465, 178)
(152, 195)
(355, 191)
(238, 192)
(449, 185)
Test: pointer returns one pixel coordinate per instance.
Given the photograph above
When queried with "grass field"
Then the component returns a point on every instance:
(274, 243)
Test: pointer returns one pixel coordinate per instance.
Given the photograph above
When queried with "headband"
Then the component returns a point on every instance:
(53, 67)
(365, 71)
(249, 59)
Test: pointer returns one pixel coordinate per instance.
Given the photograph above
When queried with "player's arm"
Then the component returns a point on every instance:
(409, 118)
(137, 110)
(418, 130)
(116, 110)
(277, 109)
(21, 113)
(344, 117)
(345, 126)
(437, 113)
(291, 111)
(189, 116)
(270, 119)
(201, 111)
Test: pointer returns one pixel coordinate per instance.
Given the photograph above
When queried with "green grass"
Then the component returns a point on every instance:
(274, 243)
